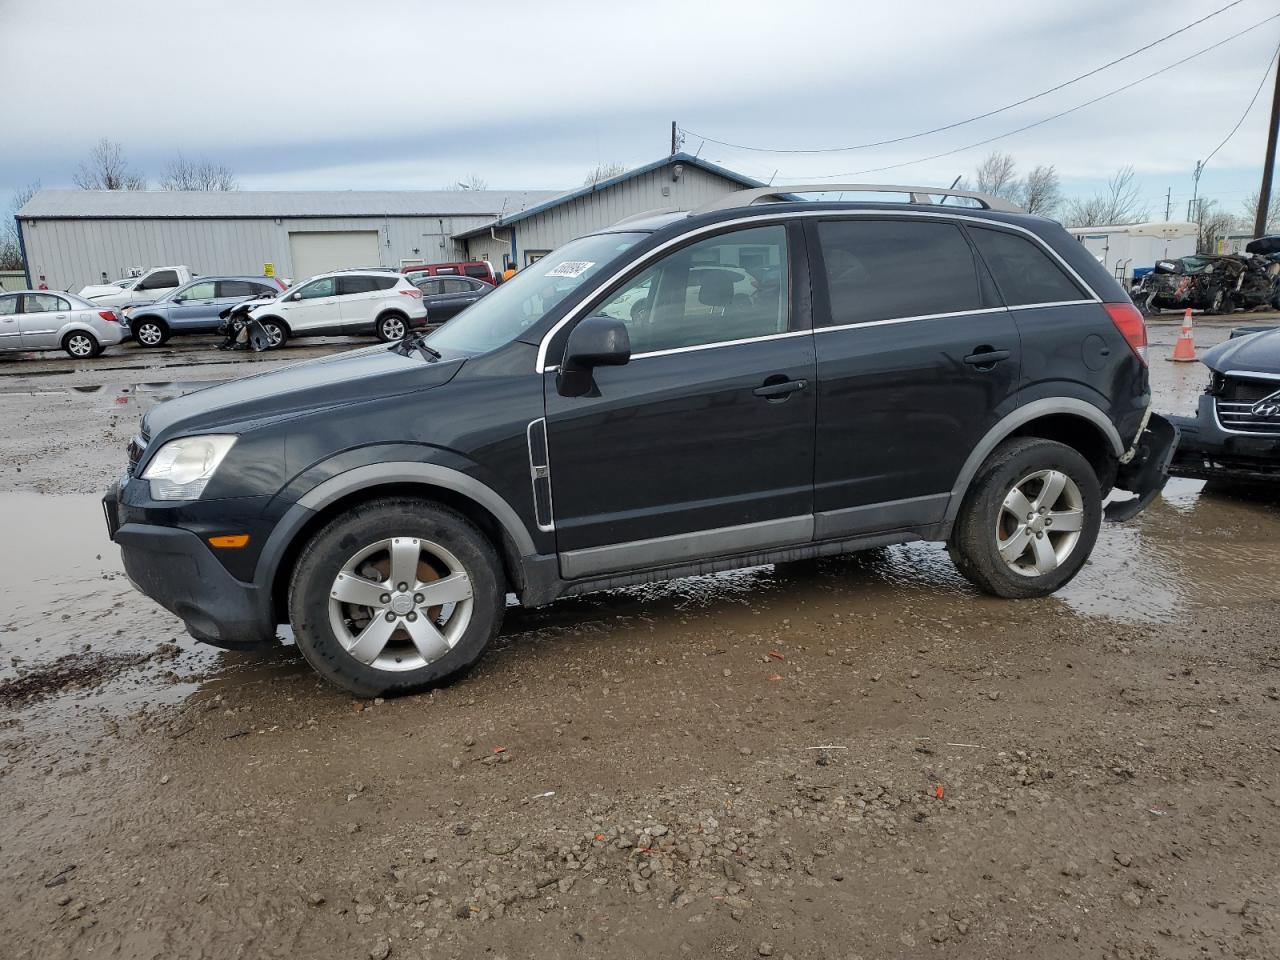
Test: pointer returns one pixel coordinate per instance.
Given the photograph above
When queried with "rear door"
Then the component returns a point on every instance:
(917, 359)
(360, 297)
(701, 445)
(10, 331)
(457, 293)
(42, 317)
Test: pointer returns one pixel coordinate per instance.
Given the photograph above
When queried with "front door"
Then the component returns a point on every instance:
(316, 307)
(10, 331)
(701, 445)
(193, 305)
(917, 359)
(43, 315)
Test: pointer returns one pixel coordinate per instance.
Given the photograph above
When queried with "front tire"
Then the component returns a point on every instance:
(396, 595)
(392, 327)
(81, 345)
(150, 334)
(277, 333)
(1029, 520)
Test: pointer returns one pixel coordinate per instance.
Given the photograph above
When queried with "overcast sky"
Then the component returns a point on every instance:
(384, 94)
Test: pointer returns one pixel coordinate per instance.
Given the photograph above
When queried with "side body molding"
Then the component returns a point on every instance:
(376, 474)
(1019, 417)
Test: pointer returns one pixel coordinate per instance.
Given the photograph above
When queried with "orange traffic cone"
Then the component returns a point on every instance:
(1184, 349)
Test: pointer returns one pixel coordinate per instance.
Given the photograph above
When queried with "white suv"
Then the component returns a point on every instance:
(346, 302)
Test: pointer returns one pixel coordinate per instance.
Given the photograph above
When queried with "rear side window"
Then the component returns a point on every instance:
(350, 285)
(889, 269)
(238, 288)
(1022, 270)
(456, 286)
(476, 270)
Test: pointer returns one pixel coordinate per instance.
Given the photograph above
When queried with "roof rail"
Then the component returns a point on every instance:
(646, 214)
(745, 198)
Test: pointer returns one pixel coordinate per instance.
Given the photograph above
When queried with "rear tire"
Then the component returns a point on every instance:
(1001, 541)
(391, 327)
(81, 345)
(396, 595)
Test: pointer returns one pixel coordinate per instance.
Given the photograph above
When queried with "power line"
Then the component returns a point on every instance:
(981, 116)
(1056, 116)
(1252, 100)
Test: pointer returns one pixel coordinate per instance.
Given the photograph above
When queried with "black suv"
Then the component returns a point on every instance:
(679, 394)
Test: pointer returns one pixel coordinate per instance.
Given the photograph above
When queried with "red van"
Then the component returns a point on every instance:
(479, 269)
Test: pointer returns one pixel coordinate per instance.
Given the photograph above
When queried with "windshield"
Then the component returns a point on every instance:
(1196, 265)
(531, 294)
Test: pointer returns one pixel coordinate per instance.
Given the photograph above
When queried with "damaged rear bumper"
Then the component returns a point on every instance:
(1146, 471)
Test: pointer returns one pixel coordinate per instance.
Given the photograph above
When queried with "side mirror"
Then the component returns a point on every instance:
(295, 296)
(595, 342)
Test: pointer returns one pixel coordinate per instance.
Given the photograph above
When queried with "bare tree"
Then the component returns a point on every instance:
(1214, 224)
(183, 174)
(1040, 192)
(471, 182)
(1273, 215)
(10, 245)
(1120, 203)
(998, 176)
(107, 169)
(603, 171)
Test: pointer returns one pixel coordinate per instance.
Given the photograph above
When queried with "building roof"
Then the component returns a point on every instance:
(507, 219)
(62, 204)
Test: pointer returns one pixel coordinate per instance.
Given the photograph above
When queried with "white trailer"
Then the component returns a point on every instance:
(1133, 249)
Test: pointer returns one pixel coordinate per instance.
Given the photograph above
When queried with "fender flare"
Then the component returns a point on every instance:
(1047, 406)
(377, 474)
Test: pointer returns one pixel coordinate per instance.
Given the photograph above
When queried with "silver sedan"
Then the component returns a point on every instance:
(56, 320)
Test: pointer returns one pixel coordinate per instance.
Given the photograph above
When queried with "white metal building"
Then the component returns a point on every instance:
(1131, 250)
(72, 238)
(677, 182)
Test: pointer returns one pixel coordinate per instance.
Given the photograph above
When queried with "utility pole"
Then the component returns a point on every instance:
(1268, 164)
(1168, 204)
(673, 138)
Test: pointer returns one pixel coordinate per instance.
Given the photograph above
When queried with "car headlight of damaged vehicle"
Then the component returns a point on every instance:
(184, 467)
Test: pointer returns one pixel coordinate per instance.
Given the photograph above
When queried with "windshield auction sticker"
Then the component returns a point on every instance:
(570, 268)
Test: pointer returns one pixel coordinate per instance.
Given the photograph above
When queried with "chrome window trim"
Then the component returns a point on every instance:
(1051, 303)
(923, 316)
(764, 216)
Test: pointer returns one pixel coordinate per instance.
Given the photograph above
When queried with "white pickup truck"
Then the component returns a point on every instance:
(152, 285)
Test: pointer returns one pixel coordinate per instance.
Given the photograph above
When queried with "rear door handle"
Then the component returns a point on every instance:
(779, 390)
(986, 357)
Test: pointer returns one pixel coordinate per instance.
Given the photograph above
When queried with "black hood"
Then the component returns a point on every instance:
(1258, 352)
(344, 378)
(1264, 246)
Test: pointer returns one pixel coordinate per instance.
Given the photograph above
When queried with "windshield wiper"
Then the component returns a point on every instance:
(417, 341)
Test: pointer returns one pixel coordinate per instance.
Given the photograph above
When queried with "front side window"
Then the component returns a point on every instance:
(9, 304)
(503, 315)
(204, 290)
(44, 303)
(730, 287)
(324, 287)
(892, 269)
(1022, 270)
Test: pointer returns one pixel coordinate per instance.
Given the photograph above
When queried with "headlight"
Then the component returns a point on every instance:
(183, 468)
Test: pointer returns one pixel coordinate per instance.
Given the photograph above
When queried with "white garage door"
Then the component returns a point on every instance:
(324, 251)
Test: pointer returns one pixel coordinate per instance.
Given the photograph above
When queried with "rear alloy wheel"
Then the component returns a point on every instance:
(1029, 521)
(81, 346)
(149, 334)
(391, 327)
(395, 595)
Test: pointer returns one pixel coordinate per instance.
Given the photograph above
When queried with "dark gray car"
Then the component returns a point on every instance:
(446, 297)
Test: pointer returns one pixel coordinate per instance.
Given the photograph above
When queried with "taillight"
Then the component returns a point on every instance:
(108, 315)
(1129, 321)
(416, 294)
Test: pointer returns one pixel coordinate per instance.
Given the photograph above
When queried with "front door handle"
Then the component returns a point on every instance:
(984, 357)
(776, 389)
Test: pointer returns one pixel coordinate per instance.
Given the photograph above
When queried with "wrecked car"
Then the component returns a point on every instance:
(1213, 283)
(1235, 435)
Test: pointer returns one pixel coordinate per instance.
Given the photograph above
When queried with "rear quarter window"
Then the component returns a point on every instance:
(1022, 270)
(385, 283)
(890, 269)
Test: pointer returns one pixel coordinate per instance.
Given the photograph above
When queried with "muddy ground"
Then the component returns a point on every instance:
(855, 758)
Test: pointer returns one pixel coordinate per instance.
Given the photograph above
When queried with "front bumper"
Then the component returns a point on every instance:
(1208, 452)
(177, 569)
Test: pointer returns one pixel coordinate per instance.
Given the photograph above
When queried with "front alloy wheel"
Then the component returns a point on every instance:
(149, 334)
(400, 604)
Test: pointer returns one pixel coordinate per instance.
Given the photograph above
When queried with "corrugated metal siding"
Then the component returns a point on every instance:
(12, 280)
(484, 247)
(559, 225)
(73, 253)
